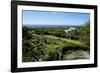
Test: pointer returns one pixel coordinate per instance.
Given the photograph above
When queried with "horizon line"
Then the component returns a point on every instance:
(53, 24)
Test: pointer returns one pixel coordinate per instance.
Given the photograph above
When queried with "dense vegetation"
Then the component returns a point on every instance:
(50, 44)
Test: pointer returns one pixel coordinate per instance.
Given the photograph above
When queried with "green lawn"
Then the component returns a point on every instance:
(64, 39)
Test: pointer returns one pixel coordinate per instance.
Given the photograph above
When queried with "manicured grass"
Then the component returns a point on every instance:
(63, 39)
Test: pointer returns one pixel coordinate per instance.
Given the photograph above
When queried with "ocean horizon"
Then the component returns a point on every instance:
(48, 26)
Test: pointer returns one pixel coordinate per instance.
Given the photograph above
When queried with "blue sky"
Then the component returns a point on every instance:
(51, 18)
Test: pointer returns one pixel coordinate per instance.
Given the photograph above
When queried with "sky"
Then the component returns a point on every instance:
(54, 18)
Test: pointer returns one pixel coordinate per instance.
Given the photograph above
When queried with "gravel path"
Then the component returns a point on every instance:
(78, 54)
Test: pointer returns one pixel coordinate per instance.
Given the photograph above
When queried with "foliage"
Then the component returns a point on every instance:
(50, 44)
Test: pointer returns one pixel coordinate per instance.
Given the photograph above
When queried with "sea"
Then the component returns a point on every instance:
(51, 26)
